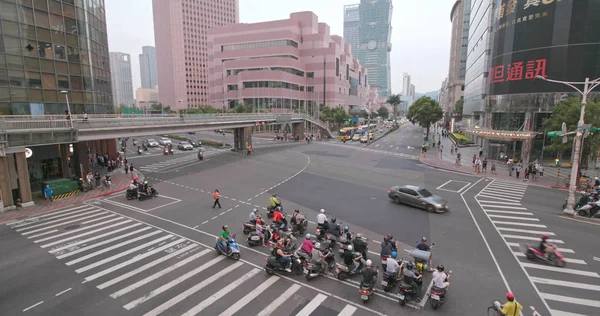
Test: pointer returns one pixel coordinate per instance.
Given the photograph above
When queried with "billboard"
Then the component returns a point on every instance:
(556, 39)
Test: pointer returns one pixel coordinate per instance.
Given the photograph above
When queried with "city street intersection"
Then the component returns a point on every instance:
(111, 256)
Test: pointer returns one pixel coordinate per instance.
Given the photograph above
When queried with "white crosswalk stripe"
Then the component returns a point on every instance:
(154, 272)
(501, 202)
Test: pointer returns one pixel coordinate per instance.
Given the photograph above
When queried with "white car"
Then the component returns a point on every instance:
(152, 143)
(164, 141)
(185, 146)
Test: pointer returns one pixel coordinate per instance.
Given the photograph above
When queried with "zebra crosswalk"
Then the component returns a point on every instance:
(572, 288)
(154, 272)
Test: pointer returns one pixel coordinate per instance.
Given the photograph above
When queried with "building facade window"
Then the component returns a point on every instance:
(265, 44)
(272, 84)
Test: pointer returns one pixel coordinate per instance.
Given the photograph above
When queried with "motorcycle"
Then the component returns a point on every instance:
(299, 229)
(139, 151)
(407, 292)
(248, 227)
(200, 156)
(255, 240)
(274, 265)
(389, 281)
(312, 269)
(143, 195)
(271, 210)
(343, 242)
(131, 194)
(343, 271)
(556, 258)
(366, 290)
(234, 249)
(421, 259)
(145, 147)
(166, 151)
(438, 295)
(588, 210)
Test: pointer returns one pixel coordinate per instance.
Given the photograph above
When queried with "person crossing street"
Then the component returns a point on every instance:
(216, 198)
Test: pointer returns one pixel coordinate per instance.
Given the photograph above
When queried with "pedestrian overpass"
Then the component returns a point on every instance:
(20, 131)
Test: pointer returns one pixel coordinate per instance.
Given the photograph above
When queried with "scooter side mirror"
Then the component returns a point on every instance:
(450, 272)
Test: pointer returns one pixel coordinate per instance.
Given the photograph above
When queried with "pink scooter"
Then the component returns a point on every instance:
(556, 258)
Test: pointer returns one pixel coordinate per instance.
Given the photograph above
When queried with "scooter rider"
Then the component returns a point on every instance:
(392, 266)
(321, 218)
(318, 257)
(334, 228)
(369, 275)
(283, 258)
(252, 216)
(439, 278)
(297, 218)
(424, 246)
(360, 245)
(132, 186)
(279, 219)
(386, 248)
(350, 260)
(511, 307)
(410, 278)
(258, 229)
(224, 237)
(274, 202)
(307, 247)
(546, 247)
(346, 235)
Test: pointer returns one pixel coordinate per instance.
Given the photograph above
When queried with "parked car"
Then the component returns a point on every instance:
(164, 141)
(194, 142)
(151, 142)
(356, 137)
(185, 146)
(418, 197)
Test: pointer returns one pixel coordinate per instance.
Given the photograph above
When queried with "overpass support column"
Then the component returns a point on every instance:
(24, 184)
(298, 130)
(6, 197)
(240, 138)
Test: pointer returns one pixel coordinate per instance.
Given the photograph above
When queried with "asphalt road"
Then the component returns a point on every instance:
(120, 257)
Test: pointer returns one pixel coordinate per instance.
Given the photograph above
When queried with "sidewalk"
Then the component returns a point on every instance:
(120, 182)
(447, 162)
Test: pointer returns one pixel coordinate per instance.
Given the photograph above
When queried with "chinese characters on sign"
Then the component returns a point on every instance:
(518, 71)
(509, 7)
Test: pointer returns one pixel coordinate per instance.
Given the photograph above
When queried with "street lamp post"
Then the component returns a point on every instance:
(588, 86)
(66, 93)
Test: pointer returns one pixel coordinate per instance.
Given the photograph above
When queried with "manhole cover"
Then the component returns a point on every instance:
(72, 227)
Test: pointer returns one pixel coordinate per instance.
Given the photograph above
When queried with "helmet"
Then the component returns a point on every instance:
(307, 236)
(394, 254)
(410, 266)
(296, 211)
(225, 227)
(254, 210)
(545, 236)
(390, 237)
(510, 296)
(424, 239)
(322, 210)
(369, 263)
(131, 180)
(358, 235)
(274, 195)
(318, 245)
(440, 268)
(349, 247)
(333, 219)
(278, 208)
(346, 228)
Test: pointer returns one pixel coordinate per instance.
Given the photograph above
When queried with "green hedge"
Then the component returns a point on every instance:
(203, 141)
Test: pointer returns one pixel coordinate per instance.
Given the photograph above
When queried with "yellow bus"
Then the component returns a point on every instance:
(370, 126)
(346, 133)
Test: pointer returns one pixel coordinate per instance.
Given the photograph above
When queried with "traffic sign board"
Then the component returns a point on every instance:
(249, 137)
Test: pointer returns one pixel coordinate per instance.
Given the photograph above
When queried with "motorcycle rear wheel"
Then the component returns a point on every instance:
(269, 270)
(236, 256)
(435, 304)
(530, 255)
(403, 302)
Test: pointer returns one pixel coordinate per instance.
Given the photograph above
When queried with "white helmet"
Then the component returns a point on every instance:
(318, 245)
(307, 236)
(350, 247)
(358, 235)
(322, 210)
(369, 263)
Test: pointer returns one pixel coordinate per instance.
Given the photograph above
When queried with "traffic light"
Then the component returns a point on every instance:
(554, 134)
(556, 162)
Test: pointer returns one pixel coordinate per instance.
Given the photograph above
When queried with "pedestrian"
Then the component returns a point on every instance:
(473, 160)
(126, 168)
(249, 150)
(541, 170)
(85, 116)
(97, 177)
(493, 167)
(216, 198)
(518, 170)
(480, 151)
(484, 165)
(131, 168)
(533, 173)
(48, 193)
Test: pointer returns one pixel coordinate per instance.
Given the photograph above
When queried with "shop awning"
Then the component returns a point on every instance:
(500, 135)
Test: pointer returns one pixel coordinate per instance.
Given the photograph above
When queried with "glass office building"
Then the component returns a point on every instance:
(374, 48)
(49, 46)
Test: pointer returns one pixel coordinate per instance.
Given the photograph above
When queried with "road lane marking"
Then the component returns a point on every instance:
(81, 229)
(493, 197)
(204, 222)
(505, 207)
(499, 202)
(314, 303)
(108, 241)
(571, 300)
(185, 294)
(347, 311)
(30, 220)
(49, 220)
(563, 250)
(34, 305)
(558, 269)
(520, 224)
(267, 311)
(525, 231)
(508, 212)
(61, 222)
(569, 260)
(250, 296)
(103, 250)
(576, 285)
(556, 241)
(195, 226)
(53, 250)
(222, 292)
(516, 218)
(63, 292)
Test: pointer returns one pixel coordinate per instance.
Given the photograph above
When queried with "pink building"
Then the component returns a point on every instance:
(180, 28)
(283, 66)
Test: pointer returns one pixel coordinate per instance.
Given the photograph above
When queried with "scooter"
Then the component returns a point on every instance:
(407, 292)
(271, 210)
(142, 195)
(248, 227)
(556, 258)
(343, 272)
(255, 240)
(312, 270)
(200, 155)
(588, 210)
(139, 151)
(234, 249)
(438, 295)
(366, 290)
(166, 151)
(273, 265)
(131, 194)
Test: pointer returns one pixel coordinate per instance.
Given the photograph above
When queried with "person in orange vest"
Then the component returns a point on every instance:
(216, 197)
(249, 150)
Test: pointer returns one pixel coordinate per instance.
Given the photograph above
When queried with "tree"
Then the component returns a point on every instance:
(394, 100)
(568, 111)
(458, 107)
(383, 112)
(156, 107)
(339, 116)
(425, 111)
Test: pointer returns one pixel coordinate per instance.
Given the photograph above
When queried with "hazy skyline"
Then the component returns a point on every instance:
(420, 35)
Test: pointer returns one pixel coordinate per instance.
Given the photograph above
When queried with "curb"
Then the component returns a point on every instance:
(475, 175)
(384, 135)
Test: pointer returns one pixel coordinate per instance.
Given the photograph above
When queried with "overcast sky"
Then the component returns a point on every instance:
(420, 32)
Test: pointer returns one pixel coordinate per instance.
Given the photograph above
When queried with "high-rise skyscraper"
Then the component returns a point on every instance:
(180, 29)
(405, 84)
(374, 46)
(122, 84)
(351, 26)
(459, 16)
(148, 67)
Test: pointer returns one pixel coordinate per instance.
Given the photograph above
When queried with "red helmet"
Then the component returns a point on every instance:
(545, 236)
(510, 296)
